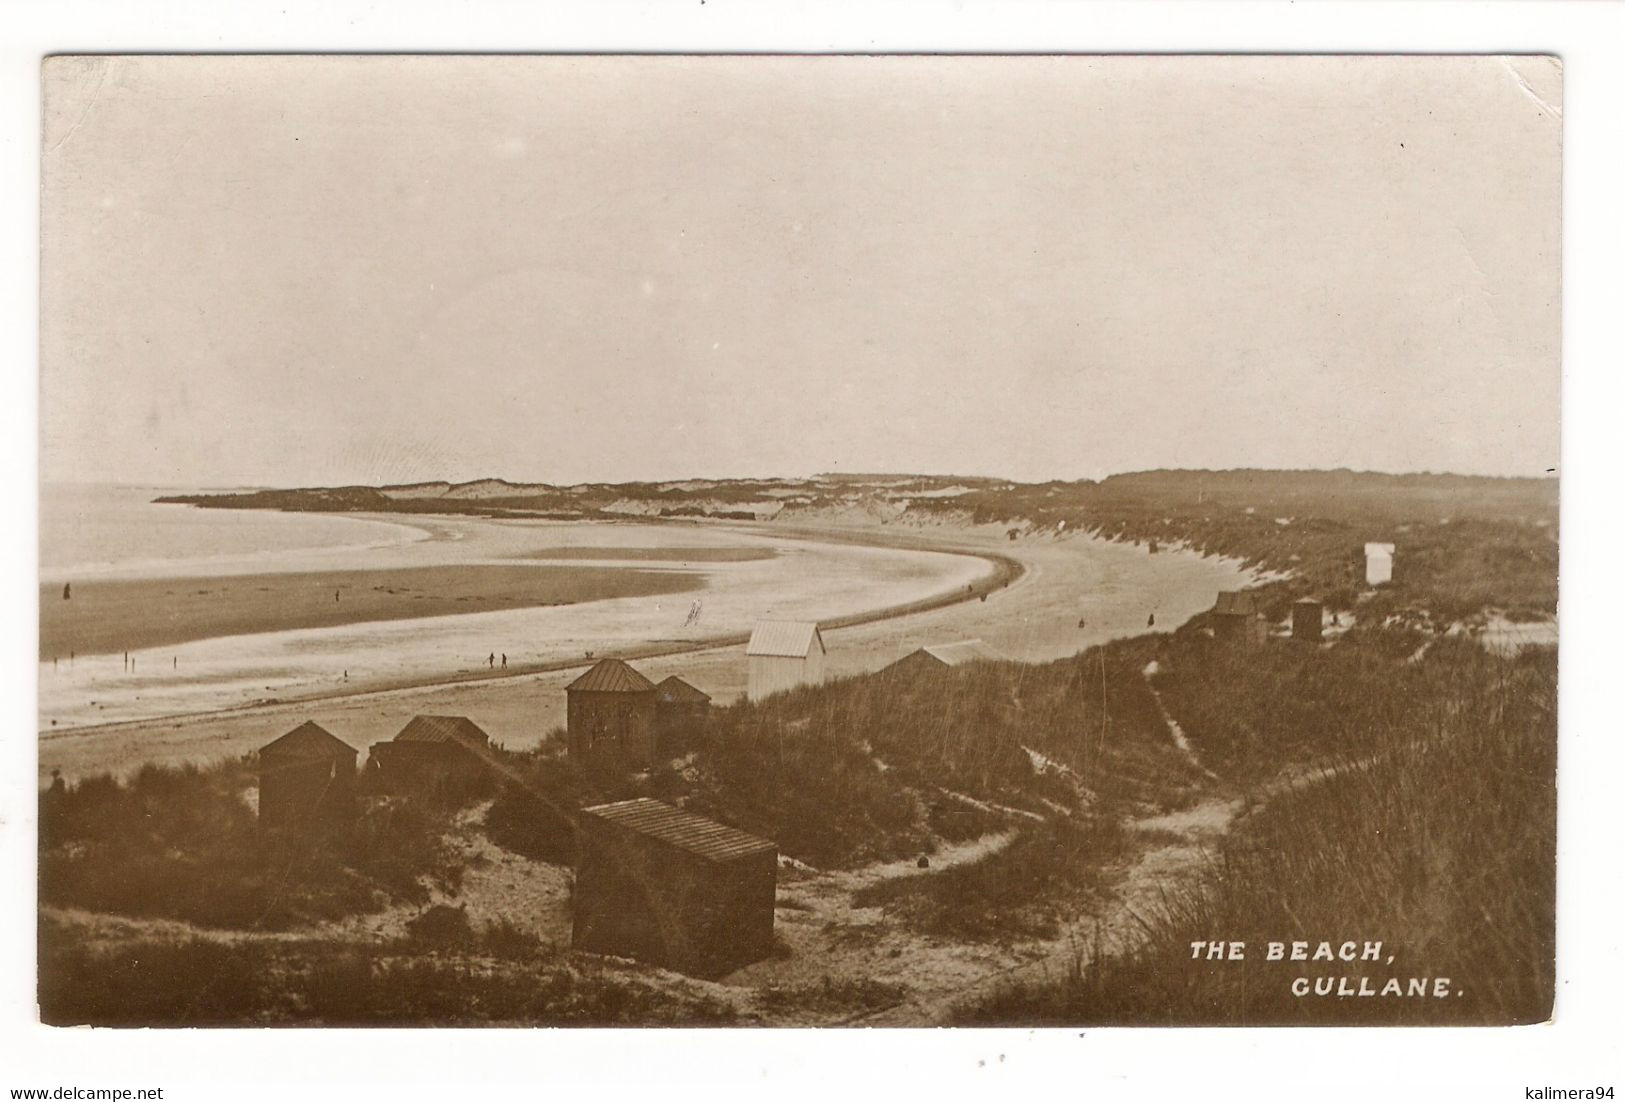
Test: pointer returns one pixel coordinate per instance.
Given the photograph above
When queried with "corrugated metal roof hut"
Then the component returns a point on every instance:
(783, 654)
(1236, 619)
(941, 656)
(672, 888)
(432, 752)
(680, 711)
(611, 717)
(1307, 616)
(307, 779)
(1379, 563)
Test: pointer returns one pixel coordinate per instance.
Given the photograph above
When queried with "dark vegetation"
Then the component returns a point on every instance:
(888, 766)
(483, 979)
(1465, 543)
(1440, 843)
(1041, 881)
(183, 843)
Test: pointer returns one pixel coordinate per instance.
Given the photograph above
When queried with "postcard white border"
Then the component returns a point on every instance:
(1580, 1049)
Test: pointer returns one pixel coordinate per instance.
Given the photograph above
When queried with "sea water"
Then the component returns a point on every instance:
(100, 530)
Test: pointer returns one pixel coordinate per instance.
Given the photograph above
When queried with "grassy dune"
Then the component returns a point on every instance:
(1440, 844)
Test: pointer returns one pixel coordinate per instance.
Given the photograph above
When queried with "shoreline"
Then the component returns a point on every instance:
(1006, 571)
(139, 614)
(1036, 618)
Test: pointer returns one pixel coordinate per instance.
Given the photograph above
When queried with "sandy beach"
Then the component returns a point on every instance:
(135, 614)
(1112, 588)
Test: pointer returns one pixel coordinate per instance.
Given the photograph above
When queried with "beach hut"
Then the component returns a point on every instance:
(610, 714)
(1307, 614)
(306, 780)
(432, 753)
(1379, 563)
(783, 654)
(1236, 619)
(672, 888)
(680, 711)
(942, 656)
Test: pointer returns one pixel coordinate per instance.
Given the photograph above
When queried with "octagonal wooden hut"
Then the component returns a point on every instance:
(610, 714)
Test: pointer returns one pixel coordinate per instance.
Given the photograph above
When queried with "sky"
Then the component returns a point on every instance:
(318, 271)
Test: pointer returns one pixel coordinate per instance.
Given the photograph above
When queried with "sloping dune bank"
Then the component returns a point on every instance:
(880, 590)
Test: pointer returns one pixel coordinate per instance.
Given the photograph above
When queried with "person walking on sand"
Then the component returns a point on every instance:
(335, 596)
(492, 661)
(1151, 620)
(67, 591)
(504, 660)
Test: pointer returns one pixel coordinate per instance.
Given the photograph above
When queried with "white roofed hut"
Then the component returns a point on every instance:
(1379, 563)
(783, 655)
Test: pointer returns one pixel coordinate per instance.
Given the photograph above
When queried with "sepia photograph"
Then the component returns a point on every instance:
(798, 541)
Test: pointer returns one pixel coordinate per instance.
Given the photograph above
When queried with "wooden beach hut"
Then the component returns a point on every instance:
(610, 714)
(306, 780)
(1379, 563)
(432, 753)
(672, 888)
(1236, 619)
(680, 711)
(942, 656)
(1307, 616)
(782, 655)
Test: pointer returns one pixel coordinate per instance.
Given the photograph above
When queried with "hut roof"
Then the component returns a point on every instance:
(674, 690)
(1236, 603)
(957, 654)
(784, 638)
(458, 729)
(682, 829)
(1308, 601)
(611, 675)
(1379, 549)
(308, 741)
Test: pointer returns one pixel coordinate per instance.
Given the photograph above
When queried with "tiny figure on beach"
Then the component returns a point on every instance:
(492, 660)
(504, 660)
(1082, 623)
(175, 662)
(346, 675)
(67, 591)
(1151, 620)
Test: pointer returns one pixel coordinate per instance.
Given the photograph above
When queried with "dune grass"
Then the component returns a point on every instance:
(184, 843)
(480, 980)
(1439, 844)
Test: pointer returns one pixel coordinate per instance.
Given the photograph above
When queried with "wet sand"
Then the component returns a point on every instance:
(132, 614)
(1112, 587)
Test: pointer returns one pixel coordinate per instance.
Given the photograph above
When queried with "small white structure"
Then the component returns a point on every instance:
(782, 655)
(1379, 563)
